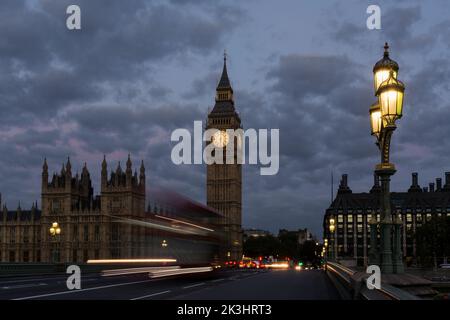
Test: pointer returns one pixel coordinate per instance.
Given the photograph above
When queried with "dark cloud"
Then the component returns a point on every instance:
(137, 71)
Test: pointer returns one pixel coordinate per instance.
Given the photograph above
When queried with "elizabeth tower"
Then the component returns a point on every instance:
(224, 181)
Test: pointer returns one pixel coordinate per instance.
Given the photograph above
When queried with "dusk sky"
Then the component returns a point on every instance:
(140, 69)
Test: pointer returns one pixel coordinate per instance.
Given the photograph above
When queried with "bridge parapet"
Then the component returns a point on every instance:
(352, 285)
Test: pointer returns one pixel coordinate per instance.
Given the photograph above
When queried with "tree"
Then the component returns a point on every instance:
(261, 246)
(433, 240)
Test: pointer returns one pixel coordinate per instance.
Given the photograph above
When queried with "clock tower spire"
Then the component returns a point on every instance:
(224, 91)
(224, 181)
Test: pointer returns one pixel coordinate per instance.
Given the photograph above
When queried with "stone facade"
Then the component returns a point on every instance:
(90, 225)
(224, 181)
(352, 213)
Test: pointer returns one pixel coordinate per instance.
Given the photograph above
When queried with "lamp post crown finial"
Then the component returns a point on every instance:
(386, 49)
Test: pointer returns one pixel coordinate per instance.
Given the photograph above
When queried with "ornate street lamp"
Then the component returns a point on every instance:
(383, 115)
(332, 228)
(325, 250)
(55, 231)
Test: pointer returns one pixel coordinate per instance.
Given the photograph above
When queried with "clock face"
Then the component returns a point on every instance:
(220, 139)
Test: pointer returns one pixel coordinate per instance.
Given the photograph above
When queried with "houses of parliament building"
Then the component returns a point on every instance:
(89, 224)
(88, 230)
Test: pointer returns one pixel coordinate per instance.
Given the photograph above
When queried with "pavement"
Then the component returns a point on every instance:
(220, 285)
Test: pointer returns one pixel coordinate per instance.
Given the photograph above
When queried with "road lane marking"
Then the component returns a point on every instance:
(194, 285)
(43, 279)
(151, 295)
(81, 290)
(217, 280)
(20, 286)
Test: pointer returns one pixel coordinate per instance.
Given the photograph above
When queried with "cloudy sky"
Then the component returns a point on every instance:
(140, 69)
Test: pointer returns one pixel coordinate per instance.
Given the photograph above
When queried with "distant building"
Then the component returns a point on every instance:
(302, 235)
(255, 233)
(352, 213)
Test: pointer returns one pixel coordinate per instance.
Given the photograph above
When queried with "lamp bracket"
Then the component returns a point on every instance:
(384, 142)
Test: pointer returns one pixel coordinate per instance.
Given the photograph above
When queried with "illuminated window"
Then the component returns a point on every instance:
(409, 217)
(360, 228)
(340, 218)
(359, 218)
(350, 218)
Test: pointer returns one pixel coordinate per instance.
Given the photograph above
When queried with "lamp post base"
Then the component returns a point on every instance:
(385, 170)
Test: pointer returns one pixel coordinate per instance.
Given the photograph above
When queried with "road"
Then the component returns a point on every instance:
(223, 285)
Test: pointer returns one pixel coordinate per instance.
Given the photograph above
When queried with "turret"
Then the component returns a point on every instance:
(128, 172)
(142, 175)
(68, 176)
(5, 213)
(68, 168)
(19, 212)
(44, 175)
(33, 211)
(104, 172)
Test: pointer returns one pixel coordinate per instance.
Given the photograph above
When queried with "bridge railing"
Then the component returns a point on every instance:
(353, 285)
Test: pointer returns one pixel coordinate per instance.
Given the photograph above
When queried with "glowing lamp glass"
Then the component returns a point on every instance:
(382, 75)
(375, 119)
(390, 97)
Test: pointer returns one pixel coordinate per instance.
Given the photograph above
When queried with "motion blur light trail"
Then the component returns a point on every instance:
(278, 265)
(114, 261)
(174, 272)
(121, 272)
(185, 228)
(185, 223)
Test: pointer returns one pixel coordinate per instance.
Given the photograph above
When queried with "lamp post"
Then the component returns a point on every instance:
(55, 231)
(383, 115)
(332, 228)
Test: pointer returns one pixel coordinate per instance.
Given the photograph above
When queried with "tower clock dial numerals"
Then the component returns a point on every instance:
(220, 139)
